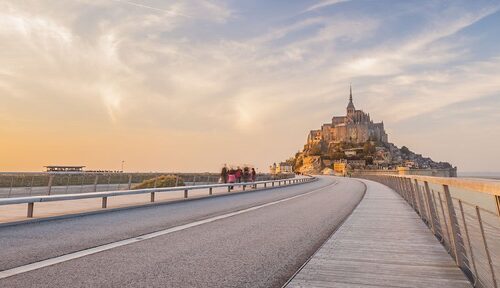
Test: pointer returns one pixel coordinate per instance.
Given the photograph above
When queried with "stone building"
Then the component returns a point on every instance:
(355, 127)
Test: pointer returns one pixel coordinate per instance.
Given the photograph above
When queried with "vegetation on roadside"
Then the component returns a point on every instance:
(161, 181)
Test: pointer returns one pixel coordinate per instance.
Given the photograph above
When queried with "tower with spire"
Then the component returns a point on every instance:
(350, 106)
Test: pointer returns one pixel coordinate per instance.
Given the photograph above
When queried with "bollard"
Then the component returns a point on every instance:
(210, 191)
(104, 202)
(186, 193)
(152, 196)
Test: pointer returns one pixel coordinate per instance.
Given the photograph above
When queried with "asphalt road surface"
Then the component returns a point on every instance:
(254, 239)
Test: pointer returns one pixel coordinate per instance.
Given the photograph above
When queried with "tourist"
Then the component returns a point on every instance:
(238, 175)
(254, 177)
(231, 178)
(223, 174)
(246, 174)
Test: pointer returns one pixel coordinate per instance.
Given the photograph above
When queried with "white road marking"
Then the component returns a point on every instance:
(90, 251)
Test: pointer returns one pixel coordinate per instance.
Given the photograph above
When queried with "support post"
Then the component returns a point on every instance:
(30, 209)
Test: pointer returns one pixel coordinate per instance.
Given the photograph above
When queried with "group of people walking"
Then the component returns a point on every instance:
(238, 175)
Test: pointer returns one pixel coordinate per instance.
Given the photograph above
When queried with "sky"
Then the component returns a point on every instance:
(187, 85)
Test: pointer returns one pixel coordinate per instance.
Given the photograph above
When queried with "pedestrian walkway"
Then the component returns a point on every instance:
(383, 243)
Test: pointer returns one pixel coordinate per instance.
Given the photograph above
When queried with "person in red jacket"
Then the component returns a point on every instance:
(238, 175)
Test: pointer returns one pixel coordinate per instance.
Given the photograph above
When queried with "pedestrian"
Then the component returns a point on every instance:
(254, 177)
(223, 174)
(246, 174)
(238, 175)
(231, 178)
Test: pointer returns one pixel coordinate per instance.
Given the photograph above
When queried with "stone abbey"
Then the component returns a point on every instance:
(355, 127)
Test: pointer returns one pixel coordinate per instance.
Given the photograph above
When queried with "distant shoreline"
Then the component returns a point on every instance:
(485, 175)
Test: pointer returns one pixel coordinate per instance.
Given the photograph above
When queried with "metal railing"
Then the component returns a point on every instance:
(31, 200)
(38, 184)
(464, 214)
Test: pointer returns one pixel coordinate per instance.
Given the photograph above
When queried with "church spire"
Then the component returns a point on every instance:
(350, 106)
(350, 93)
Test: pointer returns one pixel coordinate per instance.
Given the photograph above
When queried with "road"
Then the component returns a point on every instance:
(255, 239)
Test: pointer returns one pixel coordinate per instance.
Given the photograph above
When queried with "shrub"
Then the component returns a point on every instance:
(161, 181)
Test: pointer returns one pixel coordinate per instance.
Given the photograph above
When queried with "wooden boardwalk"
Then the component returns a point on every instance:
(383, 243)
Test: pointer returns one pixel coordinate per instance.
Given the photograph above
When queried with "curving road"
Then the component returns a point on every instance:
(255, 239)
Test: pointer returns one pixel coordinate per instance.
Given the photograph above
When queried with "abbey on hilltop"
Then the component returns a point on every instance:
(354, 142)
(355, 127)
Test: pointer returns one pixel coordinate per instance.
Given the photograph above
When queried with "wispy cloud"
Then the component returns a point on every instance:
(186, 69)
(324, 3)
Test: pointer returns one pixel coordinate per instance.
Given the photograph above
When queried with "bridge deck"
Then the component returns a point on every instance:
(382, 244)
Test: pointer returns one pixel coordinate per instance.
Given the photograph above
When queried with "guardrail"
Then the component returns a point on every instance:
(22, 184)
(464, 214)
(152, 191)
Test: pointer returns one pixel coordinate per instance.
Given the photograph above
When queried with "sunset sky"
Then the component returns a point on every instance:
(191, 84)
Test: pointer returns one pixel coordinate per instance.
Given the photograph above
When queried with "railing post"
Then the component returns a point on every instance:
(129, 181)
(104, 202)
(432, 208)
(31, 184)
(152, 196)
(96, 180)
(444, 220)
(497, 197)
(411, 192)
(30, 209)
(455, 231)
(488, 256)
(476, 276)
(11, 184)
(418, 199)
(49, 185)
